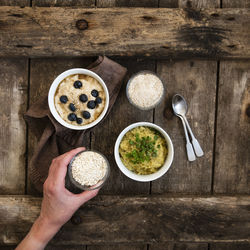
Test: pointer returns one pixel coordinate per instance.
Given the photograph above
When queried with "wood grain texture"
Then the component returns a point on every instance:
(121, 219)
(42, 74)
(165, 246)
(68, 3)
(51, 247)
(232, 159)
(174, 33)
(126, 3)
(196, 4)
(196, 81)
(121, 115)
(69, 247)
(179, 246)
(15, 3)
(13, 103)
(117, 247)
(230, 246)
(235, 4)
(168, 4)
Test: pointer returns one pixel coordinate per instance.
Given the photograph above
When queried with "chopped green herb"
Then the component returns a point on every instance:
(154, 154)
(143, 149)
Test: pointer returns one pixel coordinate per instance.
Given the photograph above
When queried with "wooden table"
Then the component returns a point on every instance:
(201, 54)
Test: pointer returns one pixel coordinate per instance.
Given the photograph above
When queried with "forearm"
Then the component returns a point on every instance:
(39, 235)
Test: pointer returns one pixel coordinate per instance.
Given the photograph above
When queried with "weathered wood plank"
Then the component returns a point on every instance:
(168, 3)
(196, 81)
(51, 247)
(13, 103)
(165, 246)
(15, 3)
(42, 74)
(235, 4)
(197, 4)
(232, 159)
(230, 246)
(120, 219)
(14, 85)
(121, 115)
(70, 247)
(178, 33)
(126, 3)
(179, 246)
(117, 247)
(69, 3)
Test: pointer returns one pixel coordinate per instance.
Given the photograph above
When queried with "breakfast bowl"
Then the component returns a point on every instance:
(143, 157)
(78, 99)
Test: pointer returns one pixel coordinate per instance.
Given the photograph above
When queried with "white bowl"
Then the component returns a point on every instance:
(149, 177)
(54, 86)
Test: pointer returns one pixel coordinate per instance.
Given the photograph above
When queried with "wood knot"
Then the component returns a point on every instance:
(76, 220)
(82, 24)
(215, 15)
(248, 110)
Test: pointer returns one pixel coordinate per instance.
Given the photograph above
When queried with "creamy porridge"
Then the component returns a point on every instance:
(79, 99)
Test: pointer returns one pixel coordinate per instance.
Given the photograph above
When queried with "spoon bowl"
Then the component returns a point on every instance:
(179, 105)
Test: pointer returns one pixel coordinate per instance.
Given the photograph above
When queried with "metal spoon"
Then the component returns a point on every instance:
(180, 109)
(190, 151)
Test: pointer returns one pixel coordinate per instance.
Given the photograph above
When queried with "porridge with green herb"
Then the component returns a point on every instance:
(143, 150)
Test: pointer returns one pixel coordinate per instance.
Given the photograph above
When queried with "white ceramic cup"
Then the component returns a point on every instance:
(149, 177)
(54, 86)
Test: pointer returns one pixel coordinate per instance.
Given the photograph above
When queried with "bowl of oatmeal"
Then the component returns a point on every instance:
(78, 99)
(145, 90)
(88, 170)
(144, 151)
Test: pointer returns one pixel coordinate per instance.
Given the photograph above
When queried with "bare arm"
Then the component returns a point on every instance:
(58, 204)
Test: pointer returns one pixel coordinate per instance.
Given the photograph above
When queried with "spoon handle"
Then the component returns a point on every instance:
(197, 148)
(190, 151)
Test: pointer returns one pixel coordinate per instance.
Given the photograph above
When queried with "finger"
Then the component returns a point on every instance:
(86, 196)
(62, 163)
(66, 158)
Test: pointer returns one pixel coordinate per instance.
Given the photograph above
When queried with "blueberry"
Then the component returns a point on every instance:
(83, 98)
(98, 100)
(72, 107)
(72, 117)
(91, 104)
(94, 93)
(77, 84)
(63, 99)
(79, 120)
(86, 114)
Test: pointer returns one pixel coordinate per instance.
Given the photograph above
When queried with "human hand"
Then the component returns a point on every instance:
(58, 204)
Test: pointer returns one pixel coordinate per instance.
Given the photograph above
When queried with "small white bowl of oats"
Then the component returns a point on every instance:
(145, 90)
(78, 99)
